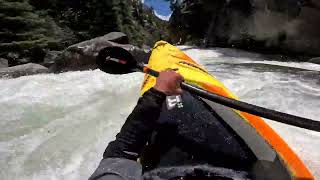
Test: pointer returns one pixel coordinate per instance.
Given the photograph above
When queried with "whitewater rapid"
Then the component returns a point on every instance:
(57, 126)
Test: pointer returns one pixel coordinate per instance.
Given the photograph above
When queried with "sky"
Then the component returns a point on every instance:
(161, 8)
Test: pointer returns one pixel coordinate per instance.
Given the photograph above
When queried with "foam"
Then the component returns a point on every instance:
(294, 93)
(56, 126)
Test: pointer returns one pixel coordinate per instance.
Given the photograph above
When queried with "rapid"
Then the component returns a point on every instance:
(56, 126)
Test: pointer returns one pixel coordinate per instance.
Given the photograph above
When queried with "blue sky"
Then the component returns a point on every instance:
(161, 7)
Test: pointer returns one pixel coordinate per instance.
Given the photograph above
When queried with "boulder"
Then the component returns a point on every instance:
(50, 58)
(141, 54)
(117, 37)
(315, 60)
(3, 63)
(82, 56)
(286, 26)
(22, 70)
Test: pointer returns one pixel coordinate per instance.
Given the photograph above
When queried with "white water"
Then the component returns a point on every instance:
(57, 126)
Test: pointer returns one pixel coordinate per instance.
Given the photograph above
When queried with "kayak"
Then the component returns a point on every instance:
(199, 138)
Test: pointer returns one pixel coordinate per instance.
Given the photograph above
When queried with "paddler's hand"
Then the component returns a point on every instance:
(169, 82)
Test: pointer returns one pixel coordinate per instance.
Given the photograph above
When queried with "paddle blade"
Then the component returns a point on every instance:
(116, 60)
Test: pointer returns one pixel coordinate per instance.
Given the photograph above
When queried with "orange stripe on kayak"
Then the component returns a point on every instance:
(183, 56)
(298, 169)
(215, 89)
(187, 58)
(292, 161)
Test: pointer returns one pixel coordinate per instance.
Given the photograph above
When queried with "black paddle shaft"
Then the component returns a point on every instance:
(245, 107)
(116, 60)
(255, 110)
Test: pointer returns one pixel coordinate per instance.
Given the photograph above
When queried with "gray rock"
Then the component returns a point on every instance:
(117, 37)
(22, 70)
(141, 54)
(315, 60)
(146, 47)
(3, 63)
(50, 58)
(24, 60)
(274, 26)
(82, 56)
(15, 58)
(13, 55)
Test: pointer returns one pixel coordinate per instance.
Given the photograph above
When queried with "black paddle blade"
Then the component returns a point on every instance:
(116, 60)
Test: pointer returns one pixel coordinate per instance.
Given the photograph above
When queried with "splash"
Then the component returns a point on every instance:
(57, 126)
(294, 89)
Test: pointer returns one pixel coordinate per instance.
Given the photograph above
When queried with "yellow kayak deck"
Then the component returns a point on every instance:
(265, 143)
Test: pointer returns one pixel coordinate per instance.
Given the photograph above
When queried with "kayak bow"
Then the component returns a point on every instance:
(262, 140)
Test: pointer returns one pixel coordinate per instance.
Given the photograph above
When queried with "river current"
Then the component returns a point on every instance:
(57, 126)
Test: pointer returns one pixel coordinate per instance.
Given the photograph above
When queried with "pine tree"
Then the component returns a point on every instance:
(21, 28)
(55, 24)
(128, 25)
(102, 17)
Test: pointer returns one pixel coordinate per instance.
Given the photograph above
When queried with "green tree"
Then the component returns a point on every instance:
(102, 17)
(25, 31)
(20, 27)
(54, 24)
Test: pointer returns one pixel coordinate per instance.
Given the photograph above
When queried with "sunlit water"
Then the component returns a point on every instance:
(57, 126)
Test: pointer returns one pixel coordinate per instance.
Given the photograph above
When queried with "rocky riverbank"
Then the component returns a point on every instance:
(64, 35)
(80, 56)
(289, 27)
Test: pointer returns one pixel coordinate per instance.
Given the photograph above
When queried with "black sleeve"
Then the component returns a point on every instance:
(138, 127)
(117, 169)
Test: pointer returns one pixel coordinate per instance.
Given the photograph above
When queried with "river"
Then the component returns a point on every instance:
(57, 126)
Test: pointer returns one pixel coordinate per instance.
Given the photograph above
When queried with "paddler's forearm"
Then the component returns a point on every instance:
(119, 159)
(138, 127)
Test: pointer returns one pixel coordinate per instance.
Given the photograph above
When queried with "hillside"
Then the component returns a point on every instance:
(31, 28)
(271, 26)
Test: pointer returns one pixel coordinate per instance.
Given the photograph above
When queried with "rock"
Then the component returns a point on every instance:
(82, 56)
(286, 26)
(3, 63)
(24, 60)
(12, 59)
(15, 58)
(141, 54)
(146, 47)
(315, 60)
(50, 58)
(117, 37)
(13, 55)
(22, 70)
